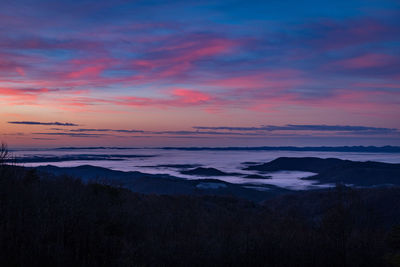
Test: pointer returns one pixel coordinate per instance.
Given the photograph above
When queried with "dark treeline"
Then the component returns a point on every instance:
(59, 221)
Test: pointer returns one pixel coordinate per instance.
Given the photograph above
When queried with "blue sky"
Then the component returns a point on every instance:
(164, 67)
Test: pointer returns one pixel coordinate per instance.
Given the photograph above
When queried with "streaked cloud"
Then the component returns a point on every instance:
(302, 127)
(71, 134)
(220, 131)
(106, 130)
(43, 123)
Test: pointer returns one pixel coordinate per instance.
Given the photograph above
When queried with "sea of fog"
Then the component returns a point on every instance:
(226, 161)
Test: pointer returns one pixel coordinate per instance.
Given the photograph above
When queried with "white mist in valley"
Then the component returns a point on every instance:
(170, 161)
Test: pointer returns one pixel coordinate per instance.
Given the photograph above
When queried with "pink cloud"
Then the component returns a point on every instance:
(22, 96)
(89, 71)
(20, 71)
(382, 85)
(367, 102)
(88, 68)
(19, 92)
(33, 96)
(174, 60)
(191, 96)
(177, 98)
(275, 80)
(371, 60)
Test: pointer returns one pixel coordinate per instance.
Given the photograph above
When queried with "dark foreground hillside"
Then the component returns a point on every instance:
(63, 222)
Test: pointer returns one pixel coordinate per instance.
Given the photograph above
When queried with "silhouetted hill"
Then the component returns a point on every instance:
(160, 183)
(175, 166)
(307, 164)
(208, 172)
(361, 174)
(257, 176)
(337, 171)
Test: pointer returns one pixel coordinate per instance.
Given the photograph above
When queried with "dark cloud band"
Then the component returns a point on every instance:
(43, 123)
(302, 127)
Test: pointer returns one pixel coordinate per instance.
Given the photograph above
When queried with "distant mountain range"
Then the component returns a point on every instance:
(372, 149)
(386, 149)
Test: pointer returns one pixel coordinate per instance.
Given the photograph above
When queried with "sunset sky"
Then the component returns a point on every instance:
(199, 73)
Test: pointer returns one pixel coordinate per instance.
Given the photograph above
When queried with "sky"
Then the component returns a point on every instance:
(199, 73)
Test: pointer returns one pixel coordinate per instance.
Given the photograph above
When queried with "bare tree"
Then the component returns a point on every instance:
(4, 153)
